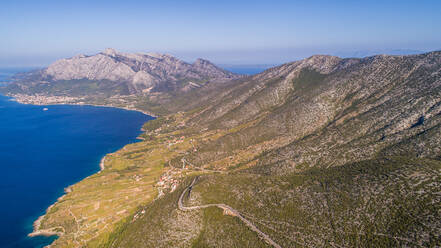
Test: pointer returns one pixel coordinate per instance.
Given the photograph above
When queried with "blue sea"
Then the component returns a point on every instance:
(246, 69)
(42, 152)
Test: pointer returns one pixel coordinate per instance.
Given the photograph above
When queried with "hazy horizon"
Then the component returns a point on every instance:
(36, 33)
(266, 146)
(232, 63)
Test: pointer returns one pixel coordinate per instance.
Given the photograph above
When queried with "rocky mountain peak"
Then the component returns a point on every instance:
(322, 63)
(110, 52)
(79, 56)
(156, 55)
(205, 65)
(130, 73)
(200, 61)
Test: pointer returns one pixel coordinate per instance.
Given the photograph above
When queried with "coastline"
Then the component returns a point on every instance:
(59, 230)
(51, 232)
(55, 100)
(102, 166)
(46, 232)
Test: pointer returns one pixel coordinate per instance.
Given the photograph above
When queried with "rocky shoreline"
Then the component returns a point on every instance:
(102, 166)
(46, 232)
(43, 100)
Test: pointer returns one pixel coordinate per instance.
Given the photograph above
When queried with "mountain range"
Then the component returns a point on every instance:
(321, 152)
(111, 72)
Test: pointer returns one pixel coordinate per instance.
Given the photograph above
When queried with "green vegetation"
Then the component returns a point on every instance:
(94, 206)
(322, 152)
(308, 80)
(155, 124)
(374, 203)
(220, 230)
(163, 225)
(379, 203)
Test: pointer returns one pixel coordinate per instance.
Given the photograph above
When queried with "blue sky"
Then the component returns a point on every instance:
(227, 32)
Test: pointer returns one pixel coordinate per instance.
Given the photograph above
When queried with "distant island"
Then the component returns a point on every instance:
(143, 81)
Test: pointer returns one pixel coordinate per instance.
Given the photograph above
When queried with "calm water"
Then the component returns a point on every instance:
(42, 152)
(246, 70)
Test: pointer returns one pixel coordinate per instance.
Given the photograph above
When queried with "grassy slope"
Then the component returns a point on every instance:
(367, 113)
(375, 203)
(163, 225)
(93, 206)
(280, 182)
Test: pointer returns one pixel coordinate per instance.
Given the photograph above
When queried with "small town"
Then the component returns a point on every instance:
(45, 100)
(168, 181)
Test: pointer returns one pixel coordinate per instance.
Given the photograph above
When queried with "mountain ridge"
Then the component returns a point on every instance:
(319, 152)
(291, 109)
(138, 72)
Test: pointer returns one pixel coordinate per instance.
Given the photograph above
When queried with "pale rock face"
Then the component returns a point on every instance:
(110, 52)
(155, 55)
(138, 70)
(96, 67)
(144, 78)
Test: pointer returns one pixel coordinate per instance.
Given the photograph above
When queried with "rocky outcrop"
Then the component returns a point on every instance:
(138, 72)
(363, 107)
(302, 154)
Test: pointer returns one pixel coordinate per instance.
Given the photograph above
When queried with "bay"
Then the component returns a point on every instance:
(43, 152)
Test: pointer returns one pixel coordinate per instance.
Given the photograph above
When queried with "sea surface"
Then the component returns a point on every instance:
(42, 152)
(246, 69)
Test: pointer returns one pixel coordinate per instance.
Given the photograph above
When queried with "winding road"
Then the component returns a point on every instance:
(227, 209)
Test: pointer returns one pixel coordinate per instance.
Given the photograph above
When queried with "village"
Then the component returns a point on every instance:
(45, 100)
